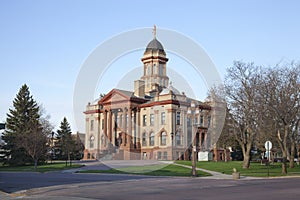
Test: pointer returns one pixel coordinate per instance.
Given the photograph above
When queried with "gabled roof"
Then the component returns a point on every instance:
(120, 95)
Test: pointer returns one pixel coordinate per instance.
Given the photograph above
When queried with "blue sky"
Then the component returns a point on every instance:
(44, 43)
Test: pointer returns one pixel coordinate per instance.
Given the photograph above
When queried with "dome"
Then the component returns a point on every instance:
(154, 45)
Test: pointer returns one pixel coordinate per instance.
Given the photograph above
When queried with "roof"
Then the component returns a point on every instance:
(126, 93)
(169, 89)
(154, 45)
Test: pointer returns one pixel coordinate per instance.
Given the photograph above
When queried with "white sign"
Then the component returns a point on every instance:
(268, 145)
(203, 156)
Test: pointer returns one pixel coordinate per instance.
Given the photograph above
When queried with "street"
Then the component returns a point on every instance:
(57, 185)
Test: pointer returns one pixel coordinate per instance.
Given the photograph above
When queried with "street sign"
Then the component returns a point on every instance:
(268, 145)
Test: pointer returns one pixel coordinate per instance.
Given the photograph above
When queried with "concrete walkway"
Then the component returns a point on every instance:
(215, 175)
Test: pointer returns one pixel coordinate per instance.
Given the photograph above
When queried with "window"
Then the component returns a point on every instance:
(159, 155)
(151, 119)
(195, 121)
(161, 70)
(102, 123)
(165, 155)
(208, 121)
(201, 120)
(144, 120)
(178, 139)
(178, 118)
(118, 121)
(144, 139)
(126, 121)
(152, 139)
(92, 138)
(92, 125)
(163, 118)
(149, 70)
(163, 140)
(132, 120)
(189, 123)
(154, 69)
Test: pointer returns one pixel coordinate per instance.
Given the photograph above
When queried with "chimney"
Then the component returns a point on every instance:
(139, 88)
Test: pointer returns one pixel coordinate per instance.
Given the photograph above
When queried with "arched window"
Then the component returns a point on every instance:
(144, 139)
(178, 138)
(151, 139)
(92, 138)
(163, 137)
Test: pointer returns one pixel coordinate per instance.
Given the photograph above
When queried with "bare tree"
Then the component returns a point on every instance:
(223, 134)
(227, 138)
(34, 143)
(281, 92)
(241, 86)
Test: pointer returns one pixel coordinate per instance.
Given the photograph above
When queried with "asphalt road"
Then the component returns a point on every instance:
(57, 186)
(12, 182)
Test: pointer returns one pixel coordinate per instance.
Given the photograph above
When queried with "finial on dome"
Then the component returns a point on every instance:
(154, 31)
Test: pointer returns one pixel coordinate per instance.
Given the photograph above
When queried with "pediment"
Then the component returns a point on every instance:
(114, 96)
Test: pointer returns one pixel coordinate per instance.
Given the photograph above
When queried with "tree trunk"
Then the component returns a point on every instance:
(69, 158)
(35, 164)
(283, 165)
(246, 161)
(284, 160)
(246, 153)
(225, 155)
(292, 156)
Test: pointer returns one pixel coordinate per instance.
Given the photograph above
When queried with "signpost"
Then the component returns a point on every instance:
(268, 146)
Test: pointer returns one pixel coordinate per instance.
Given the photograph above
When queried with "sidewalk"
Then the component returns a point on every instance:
(216, 175)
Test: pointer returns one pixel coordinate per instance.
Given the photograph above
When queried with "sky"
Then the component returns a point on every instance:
(45, 43)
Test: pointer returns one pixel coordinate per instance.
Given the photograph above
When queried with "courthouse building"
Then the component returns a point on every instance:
(155, 121)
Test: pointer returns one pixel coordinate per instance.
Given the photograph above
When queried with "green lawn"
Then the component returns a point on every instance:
(256, 169)
(40, 168)
(153, 170)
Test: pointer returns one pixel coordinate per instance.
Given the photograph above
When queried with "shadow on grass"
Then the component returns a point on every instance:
(157, 170)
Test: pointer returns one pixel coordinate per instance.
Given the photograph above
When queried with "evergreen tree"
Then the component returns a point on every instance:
(22, 120)
(65, 143)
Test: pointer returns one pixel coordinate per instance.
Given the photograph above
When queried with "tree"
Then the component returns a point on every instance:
(227, 138)
(22, 125)
(65, 143)
(241, 86)
(78, 148)
(35, 143)
(281, 97)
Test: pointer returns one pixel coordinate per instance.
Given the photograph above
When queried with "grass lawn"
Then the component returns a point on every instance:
(153, 170)
(256, 169)
(40, 168)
